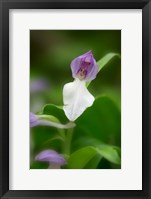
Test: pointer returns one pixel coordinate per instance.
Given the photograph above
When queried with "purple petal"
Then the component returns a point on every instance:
(33, 120)
(51, 156)
(84, 67)
(92, 74)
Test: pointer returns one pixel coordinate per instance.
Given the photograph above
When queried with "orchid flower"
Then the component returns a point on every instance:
(76, 97)
(37, 120)
(55, 160)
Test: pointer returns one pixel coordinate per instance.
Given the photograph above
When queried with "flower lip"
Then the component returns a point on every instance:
(76, 99)
(84, 67)
(51, 156)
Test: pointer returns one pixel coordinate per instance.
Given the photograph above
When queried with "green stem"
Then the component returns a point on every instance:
(67, 143)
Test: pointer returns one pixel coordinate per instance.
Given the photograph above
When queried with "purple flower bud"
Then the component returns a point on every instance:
(84, 67)
(55, 160)
(33, 120)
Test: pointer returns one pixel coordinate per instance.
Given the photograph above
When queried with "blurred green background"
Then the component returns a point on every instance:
(51, 52)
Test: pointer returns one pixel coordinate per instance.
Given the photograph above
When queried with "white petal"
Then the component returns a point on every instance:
(76, 99)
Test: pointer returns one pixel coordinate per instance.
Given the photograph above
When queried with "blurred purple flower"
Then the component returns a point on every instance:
(33, 120)
(38, 85)
(55, 160)
(84, 67)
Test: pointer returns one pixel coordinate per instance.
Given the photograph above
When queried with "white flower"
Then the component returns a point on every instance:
(76, 97)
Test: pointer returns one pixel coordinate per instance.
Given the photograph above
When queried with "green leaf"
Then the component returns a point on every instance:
(109, 152)
(55, 111)
(103, 61)
(80, 158)
(93, 163)
(57, 137)
(50, 118)
(101, 121)
(83, 141)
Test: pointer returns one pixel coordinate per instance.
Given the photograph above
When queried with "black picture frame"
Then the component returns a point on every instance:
(5, 5)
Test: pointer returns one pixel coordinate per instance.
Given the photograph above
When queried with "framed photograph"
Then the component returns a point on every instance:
(75, 99)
